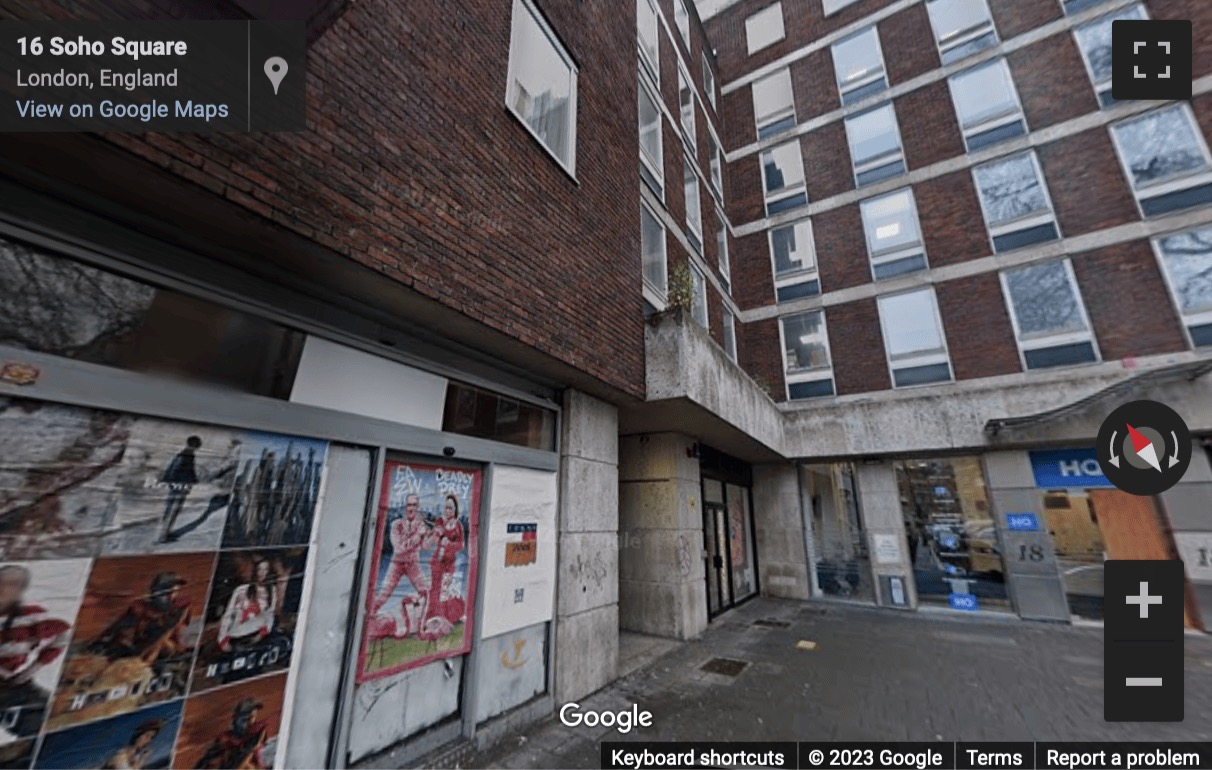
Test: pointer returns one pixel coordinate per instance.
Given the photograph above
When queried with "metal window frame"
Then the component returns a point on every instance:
(1010, 115)
(1102, 86)
(779, 115)
(865, 77)
(964, 35)
(689, 174)
(801, 186)
(536, 15)
(799, 276)
(716, 162)
(1055, 340)
(772, 10)
(654, 294)
(689, 133)
(1188, 318)
(875, 258)
(897, 155)
(730, 335)
(657, 167)
(1167, 186)
(652, 67)
(913, 360)
(811, 375)
(698, 288)
(1026, 221)
(709, 84)
(681, 17)
(723, 258)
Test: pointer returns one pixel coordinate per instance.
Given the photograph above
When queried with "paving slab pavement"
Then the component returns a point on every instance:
(874, 675)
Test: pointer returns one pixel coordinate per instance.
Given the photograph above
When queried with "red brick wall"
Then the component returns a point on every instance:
(950, 215)
(814, 83)
(1014, 17)
(438, 186)
(929, 130)
(1078, 167)
(1052, 81)
(738, 124)
(841, 248)
(1128, 302)
(753, 282)
(760, 355)
(907, 41)
(827, 168)
(857, 346)
(980, 337)
(1198, 11)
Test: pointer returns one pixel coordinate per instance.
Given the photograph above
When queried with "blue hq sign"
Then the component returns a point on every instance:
(1059, 468)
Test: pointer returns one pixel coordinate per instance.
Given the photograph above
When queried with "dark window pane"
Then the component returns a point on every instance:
(922, 375)
(1077, 6)
(1063, 355)
(995, 135)
(900, 267)
(797, 291)
(777, 127)
(1180, 199)
(483, 414)
(1021, 238)
(797, 390)
(1201, 335)
(786, 204)
(967, 49)
(856, 95)
(881, 173)
(54, 305)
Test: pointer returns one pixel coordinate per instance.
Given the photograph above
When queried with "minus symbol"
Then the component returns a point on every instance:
(1144, 681)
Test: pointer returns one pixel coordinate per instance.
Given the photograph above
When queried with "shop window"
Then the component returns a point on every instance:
(1049, 318)
(1187, 263)
(54, 305)
(1166, 159)
(730, 335)
(839, 543)
(1094, 40)
(954, 547)
(543, 84)
(961, 27)
(774, 104)
(698, 297)
(806, 362)
(875, 145)
(471, 411)
(894, 239)
(913, 338)
(694, 206)
(652, 255)
(649, 33)
(686, 100)
(708, 81)
(651, 143)
(794, 259)
(764, 28)
(987, 105)
(859, 64)
(1015, 202)
(682, 17)
(783, 178)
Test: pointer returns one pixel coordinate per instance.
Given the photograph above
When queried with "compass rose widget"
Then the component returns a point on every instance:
(1144, 448)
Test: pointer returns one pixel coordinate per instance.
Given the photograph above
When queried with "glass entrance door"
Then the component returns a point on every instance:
(715, 539)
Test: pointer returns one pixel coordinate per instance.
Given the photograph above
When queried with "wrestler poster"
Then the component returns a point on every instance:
(423, 574)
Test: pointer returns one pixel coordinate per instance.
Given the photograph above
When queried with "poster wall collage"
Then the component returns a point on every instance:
(151, 577)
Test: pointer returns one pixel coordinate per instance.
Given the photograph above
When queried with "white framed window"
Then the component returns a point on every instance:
(1077, 6)
(894, 237)
(858, 62)
(649, 37)
(987, 105)
(783, 178)
(542, 90)
(1094, 41)
(709, 82)
(774, 104)
(682, 17)
(875, 145)
(653, 258)
(686, 100)
(913, 338)
(793, 259)
(651, 140)
(833, 6)
(1015, 202)
(698, 298)
(1166, 159)
(721, 246)
(807, 365)
(717, 166)
(1186, 260)
(694, 206)
(730, 335)
(961, 27)
(764, 28)
(1049, 318)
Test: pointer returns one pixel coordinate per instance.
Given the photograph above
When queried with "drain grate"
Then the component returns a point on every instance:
(771, 623)
(725, 666)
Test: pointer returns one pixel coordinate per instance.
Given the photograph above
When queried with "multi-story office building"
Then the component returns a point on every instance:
(487, 370)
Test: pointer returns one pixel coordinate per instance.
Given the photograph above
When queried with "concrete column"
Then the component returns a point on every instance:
(1186, 505)
(879, 500)
(778, 519)
(662, 578)
(587, 609)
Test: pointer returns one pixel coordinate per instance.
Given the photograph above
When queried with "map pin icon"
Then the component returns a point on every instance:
(275, 70)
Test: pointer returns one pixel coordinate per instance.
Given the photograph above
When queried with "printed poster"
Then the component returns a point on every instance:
(135, 636)
(423, 571)
(232, 727)
(142, 739)
(276, 490)
(520, 567)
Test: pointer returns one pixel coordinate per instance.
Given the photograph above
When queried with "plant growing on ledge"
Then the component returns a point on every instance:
(680, 295)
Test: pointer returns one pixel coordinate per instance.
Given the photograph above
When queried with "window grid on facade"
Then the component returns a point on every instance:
(807, 365)
(1165, 158)
(793, 260)
(542, 89)
(1094, 42)
(653, 257)
(1049, 317)
(913, 338)
(694, 212)
(709, 82)
(686, 101)
(858, 62)
(730, 335)
(717, 167)
(649, 37)
(875, 145)
(651, 140)
(1015, 202)
(961, 27)
(1186, 260)
(783, 178)
(764, 28)
(682, 17)
(721, 245)
(698, 300)
(894, 235)
(987, 105)
(774, 104)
